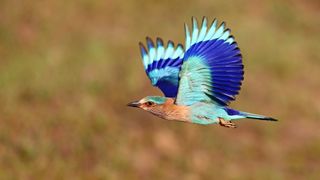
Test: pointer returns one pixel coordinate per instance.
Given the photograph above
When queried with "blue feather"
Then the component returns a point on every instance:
(217, 52)
(162, 65)
(231, 112)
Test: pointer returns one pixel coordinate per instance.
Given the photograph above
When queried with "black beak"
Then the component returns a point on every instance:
(134, 104)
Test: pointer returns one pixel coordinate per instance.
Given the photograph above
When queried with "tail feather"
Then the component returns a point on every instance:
(240, 114)
(257, 116)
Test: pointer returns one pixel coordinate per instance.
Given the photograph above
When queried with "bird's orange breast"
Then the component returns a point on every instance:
(175, 112)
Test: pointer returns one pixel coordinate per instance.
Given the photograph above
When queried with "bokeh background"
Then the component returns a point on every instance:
(68, 69)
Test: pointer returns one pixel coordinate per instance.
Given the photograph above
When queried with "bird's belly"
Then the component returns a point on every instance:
(204, 119)
(203, 113)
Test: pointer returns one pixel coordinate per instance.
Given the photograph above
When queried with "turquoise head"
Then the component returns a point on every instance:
(148, 102)
(152, 104)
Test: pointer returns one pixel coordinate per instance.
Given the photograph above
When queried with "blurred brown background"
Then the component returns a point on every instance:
(68, 68)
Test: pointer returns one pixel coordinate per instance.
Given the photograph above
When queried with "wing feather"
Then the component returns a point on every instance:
(212, 69)
(162, 64)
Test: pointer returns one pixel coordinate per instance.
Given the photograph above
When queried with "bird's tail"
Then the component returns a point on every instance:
(257, 116)
(239, 114)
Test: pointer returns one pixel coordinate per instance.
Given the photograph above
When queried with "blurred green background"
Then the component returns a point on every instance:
(68, 68)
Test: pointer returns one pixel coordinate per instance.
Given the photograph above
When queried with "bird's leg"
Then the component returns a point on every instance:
(227, 124)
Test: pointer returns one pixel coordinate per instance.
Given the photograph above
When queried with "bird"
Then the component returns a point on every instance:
(198, 80)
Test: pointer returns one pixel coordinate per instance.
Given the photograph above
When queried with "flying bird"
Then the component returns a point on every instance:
(198, 81)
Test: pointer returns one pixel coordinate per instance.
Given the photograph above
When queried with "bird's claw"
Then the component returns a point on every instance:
(227, 124)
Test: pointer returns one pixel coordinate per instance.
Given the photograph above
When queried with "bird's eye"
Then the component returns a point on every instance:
(149, 103)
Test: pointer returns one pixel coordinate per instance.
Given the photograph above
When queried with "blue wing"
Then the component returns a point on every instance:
(162, 65)
(212, 70)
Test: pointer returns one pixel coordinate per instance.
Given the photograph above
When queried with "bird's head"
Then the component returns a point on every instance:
(153, 104)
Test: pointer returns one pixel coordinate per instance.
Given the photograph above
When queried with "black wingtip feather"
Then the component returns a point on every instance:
(159, 41)
(143, 49)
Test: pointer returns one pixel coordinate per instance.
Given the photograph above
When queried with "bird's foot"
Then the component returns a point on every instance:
(227, 124)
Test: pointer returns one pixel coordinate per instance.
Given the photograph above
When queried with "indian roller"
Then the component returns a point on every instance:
(198, 81)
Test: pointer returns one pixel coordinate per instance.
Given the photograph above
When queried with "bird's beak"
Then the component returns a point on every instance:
(134, 104)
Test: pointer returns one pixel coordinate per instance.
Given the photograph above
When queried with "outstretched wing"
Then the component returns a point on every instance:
(212, 70)
(162, 65)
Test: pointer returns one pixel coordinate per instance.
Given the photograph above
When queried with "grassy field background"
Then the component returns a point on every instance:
(68, 68)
